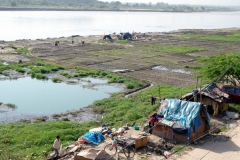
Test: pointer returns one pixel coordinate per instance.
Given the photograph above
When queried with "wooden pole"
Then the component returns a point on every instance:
(159, 92)
(200, 91)
(197, 84)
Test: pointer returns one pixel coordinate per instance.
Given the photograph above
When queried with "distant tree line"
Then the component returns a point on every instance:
(99, 5)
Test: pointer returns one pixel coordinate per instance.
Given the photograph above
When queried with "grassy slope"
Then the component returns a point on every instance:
(32, 140)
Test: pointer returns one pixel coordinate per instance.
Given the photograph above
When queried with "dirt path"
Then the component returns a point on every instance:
(216, 147)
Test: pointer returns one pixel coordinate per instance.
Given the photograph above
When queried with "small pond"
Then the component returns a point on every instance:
(35, 97)
(162, 68)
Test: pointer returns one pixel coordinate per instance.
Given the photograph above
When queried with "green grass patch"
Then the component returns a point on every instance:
(38, 69)
(67, 75)
(120, 110)
(33, 140)
(113, 78)
(39, 76)
(179, 49)
(19, 67)
(234, 107)
(21, 70)
(56, 80)
(123, 41)
(162, 91)
(235, 37)
(181, 149)
(224, 128)
(22, 50)
(10, 105)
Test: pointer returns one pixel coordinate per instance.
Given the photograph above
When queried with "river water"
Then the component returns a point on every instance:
(43, 24)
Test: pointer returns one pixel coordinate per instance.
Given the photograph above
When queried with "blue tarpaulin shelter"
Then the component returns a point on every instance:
(126, 35)
(185, 112)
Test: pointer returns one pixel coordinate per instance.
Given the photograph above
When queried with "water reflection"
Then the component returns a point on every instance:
(171, 70)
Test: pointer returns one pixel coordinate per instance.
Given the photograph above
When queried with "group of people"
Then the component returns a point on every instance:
(56, 43)
(153, 120)
(81, 41)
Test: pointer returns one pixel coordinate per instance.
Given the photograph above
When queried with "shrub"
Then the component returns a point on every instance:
(39, 64)
(10, 105)
(39, 76)
(66, 75)
(103, 74)
(130, 86)
(83, 74)
(56, 80)
(21, 70)
(22, 50)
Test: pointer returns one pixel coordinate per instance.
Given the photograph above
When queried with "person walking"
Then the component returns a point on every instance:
(72, 39)
(56, 146)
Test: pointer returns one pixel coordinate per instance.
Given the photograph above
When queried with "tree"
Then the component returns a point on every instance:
(13, 4)
(117, 3)
(223, 68)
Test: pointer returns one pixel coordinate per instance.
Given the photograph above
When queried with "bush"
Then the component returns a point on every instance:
(21, 70)
(103, 74)
(83, 74)
(130, 86)
(66, 75)
(10, 105)
(22, 50)
(56, 80)
(39, 76)
(39, 64)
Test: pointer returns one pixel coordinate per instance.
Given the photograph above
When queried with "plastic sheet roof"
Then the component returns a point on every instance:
(179, 110)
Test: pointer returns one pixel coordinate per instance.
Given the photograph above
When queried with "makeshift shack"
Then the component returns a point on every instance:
(182, 121)
(107, 37)
(211, 96)
(126, 35)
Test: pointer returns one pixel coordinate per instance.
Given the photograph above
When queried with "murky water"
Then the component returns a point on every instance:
(42, 24)
(35, 97)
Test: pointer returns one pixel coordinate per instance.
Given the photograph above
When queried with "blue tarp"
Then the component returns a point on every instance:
(94, 137)
(126, 35)
(185, 112)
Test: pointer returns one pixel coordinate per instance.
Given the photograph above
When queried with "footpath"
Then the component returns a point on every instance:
(218, 148)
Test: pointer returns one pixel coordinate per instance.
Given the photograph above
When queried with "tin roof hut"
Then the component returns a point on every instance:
(182, 121)
(211, 96)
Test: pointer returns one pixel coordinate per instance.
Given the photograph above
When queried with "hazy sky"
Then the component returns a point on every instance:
(200, 2)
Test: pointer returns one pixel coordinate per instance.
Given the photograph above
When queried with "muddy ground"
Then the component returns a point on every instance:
(135, 57)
